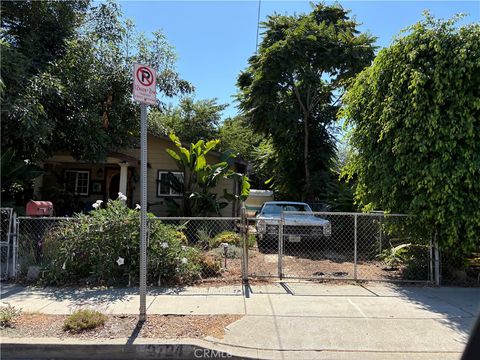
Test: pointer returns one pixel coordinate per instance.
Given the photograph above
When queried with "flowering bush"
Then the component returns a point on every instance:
(226, 237)
(102, 248)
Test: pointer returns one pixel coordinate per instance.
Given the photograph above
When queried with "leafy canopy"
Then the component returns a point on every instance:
(415, 119)
(66, 75)
(191, 120)
(237, 134)
(287, 92)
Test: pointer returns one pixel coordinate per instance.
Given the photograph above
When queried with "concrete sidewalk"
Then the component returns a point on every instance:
(297, 320)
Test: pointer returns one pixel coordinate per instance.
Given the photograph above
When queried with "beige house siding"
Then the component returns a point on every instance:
(159, 160)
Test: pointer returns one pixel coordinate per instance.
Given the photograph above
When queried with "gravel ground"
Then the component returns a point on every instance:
(118, 326)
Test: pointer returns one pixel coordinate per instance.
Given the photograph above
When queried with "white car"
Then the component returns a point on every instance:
(300, 226)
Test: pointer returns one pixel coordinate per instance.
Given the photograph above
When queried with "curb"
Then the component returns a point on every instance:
(188, 349)
(130, 352)
(16, 349)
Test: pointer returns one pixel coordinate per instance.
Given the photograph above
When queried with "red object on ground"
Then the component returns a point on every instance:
(39, 208)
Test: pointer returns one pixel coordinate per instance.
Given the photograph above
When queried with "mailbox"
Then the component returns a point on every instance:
(39, 208)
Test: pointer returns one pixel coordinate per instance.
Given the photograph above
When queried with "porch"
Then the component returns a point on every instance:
(74, 186)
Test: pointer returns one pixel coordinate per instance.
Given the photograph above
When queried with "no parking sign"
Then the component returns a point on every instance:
(144, 84)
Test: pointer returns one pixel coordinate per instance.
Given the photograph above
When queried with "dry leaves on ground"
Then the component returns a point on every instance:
(122, 326)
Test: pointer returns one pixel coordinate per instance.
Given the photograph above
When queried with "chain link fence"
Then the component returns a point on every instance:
(6, 241)
(215, 245)
(218, 242)
(31, 236)
(326, 245)
(319, 246)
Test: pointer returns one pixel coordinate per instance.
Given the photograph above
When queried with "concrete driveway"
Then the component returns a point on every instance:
(298, 320)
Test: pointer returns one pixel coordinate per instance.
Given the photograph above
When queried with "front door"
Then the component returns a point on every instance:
(112, 181)
(114, 186)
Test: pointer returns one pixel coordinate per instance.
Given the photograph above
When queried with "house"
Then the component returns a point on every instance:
(120, 172)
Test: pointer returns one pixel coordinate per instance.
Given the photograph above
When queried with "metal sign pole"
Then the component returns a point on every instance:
(144, 91)
(143, 213)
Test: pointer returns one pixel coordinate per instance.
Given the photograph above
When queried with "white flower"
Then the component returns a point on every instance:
(137, 207)
(164, 245)
(97, 204)
(64, 266)
(122, 197)
(120, 261)
(184, 260)
(184, 247)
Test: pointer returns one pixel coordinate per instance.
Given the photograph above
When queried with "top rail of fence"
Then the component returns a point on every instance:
(46, 218)
(375, 214)
(195, 218)
(218, 218)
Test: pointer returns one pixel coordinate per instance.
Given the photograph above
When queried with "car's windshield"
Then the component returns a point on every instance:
(278, 208)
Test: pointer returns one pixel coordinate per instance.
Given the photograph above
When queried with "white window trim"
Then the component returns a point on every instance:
(159, 176)
(76, 181)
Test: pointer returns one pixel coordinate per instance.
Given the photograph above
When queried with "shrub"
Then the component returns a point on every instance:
(226, 237)
(416, 263)
(252, 240)
(8, 314)
(203, 239)
(82, 320)
(395, 256)
(102, 248)
(211, 266)
(233, 252)
(411, 258)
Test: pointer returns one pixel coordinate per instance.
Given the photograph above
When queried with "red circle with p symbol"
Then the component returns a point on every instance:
(144, 76)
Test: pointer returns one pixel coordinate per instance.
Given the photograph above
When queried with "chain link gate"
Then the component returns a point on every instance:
(333, 245)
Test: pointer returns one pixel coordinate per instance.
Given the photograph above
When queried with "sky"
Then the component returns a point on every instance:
(214, 39)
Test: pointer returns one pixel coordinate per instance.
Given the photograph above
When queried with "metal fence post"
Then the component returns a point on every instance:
(14, 245)
(355, 248)
(380, 233)
(437, 260)
(280, 246)
(244, 230)
(430, 262)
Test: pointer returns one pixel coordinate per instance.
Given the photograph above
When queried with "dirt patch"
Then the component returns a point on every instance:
(317, 265)
(122, 326)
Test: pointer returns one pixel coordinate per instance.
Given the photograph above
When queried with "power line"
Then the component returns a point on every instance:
(258, 26)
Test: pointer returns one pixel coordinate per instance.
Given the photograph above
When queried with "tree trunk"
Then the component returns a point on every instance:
(306, 195)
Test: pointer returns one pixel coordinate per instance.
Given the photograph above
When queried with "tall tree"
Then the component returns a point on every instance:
(238, 135)
(288, 89)
(191, 120)
(415, 118)
(74, 93)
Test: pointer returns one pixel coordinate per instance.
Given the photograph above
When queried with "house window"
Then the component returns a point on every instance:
(163, 187)
(77, 182)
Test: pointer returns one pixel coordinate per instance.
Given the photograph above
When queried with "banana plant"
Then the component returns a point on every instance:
(200, 178)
